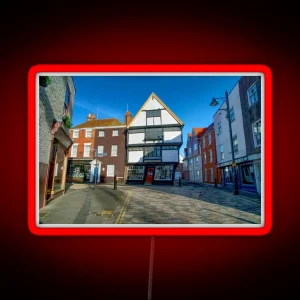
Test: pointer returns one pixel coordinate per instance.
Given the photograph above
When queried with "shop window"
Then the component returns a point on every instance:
(205, 174)
(135, 173)
(76, 171)
(228, 174)
(247, 174)
(163, 173)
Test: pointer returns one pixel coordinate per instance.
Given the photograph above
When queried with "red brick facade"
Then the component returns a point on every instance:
(114, 135)
(209, 167)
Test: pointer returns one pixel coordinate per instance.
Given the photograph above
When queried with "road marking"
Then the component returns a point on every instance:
(123, 210)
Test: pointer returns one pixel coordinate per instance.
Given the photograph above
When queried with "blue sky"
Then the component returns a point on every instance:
(187, 96)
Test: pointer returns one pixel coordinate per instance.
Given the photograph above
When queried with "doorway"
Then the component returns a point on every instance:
(149, 175)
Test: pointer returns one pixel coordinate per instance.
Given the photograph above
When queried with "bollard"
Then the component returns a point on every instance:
(179, 181)
(115, 183)
(216, 184)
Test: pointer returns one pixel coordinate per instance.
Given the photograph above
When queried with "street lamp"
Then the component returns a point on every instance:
(214, 102)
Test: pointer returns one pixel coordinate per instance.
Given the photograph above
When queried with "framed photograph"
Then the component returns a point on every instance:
(192, 144)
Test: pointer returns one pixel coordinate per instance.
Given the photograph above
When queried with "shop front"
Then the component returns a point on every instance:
(79, 171)
(245, 176)
(57, 163)
(150, 174)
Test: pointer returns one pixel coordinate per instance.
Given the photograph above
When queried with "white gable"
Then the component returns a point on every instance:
(167, 118)
(153, 104)
(140, 119)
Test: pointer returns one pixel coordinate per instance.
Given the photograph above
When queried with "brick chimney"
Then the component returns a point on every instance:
(128, 117)
(91, 117)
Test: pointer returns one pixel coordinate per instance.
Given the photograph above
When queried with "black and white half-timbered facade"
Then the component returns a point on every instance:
(154, 137)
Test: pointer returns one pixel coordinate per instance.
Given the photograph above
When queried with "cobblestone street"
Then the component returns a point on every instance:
(139, 204)
(186, 205)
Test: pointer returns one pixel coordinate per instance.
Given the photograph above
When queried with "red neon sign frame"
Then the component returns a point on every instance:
(181, 68)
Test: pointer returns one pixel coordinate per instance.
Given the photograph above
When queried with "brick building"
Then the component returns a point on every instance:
(207, 144)
(99, 148)
(56, 101)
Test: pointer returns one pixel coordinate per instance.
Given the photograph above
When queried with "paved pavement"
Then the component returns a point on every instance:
(139, 204)
(82, 205)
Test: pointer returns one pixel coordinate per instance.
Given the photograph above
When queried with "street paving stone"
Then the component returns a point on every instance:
(187, 205)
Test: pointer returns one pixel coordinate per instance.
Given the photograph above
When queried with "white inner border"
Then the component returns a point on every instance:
(153, 225)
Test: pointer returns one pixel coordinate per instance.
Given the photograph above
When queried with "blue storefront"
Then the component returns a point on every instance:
(245, 174)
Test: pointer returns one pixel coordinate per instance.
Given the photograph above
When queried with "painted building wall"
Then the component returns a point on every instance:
(140, 141)
(251, 113)
(223, 138)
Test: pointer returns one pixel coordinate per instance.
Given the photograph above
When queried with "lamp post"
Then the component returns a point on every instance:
(214, 102)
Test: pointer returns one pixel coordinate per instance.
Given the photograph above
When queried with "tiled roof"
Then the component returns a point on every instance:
(200, 133)
(100, 123)
(198, 130)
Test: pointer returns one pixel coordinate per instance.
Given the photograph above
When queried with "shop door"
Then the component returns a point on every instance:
(149, 176)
